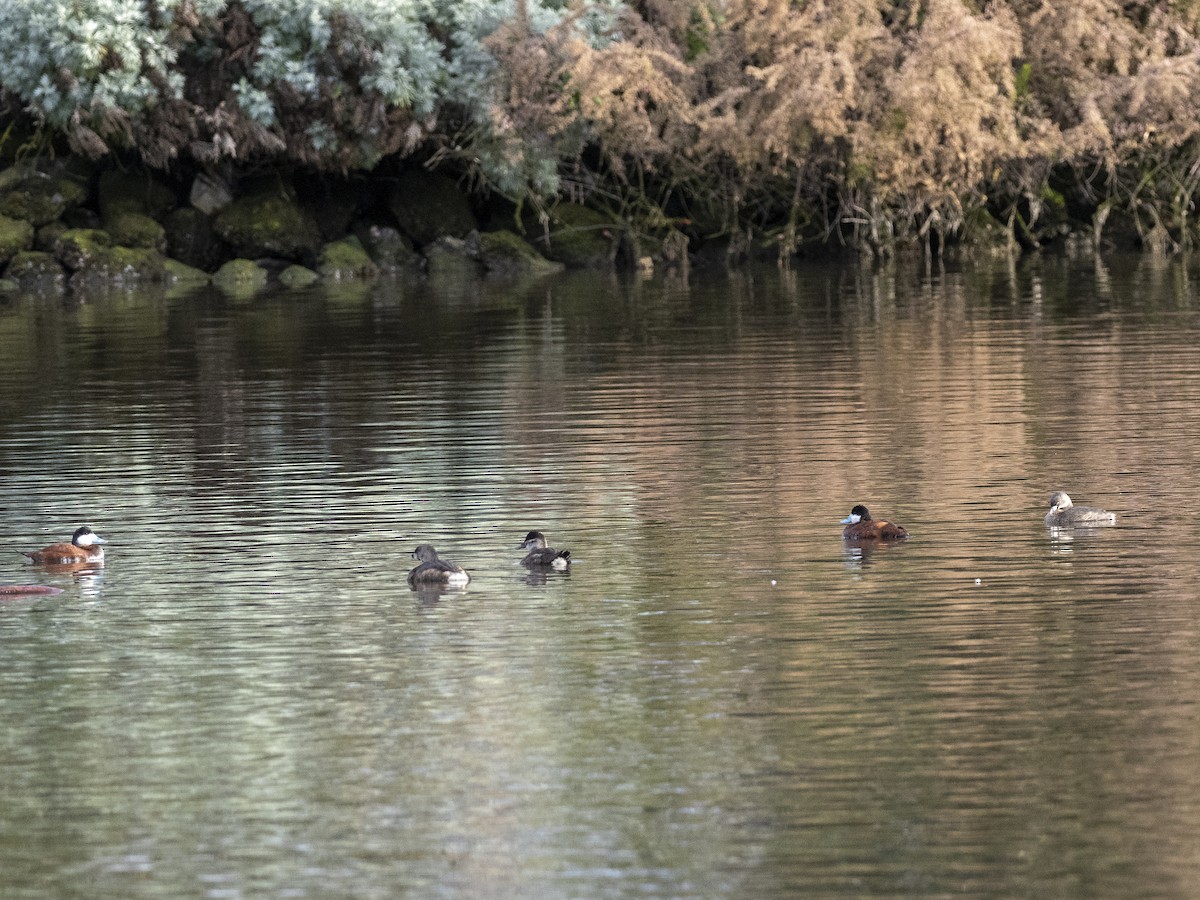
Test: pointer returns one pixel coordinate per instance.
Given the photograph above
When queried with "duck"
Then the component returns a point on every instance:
(861, 527)
(540, 555)
(435, 571)
(84, 547)
(1064, 512)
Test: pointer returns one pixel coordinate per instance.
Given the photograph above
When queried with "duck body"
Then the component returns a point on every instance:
(861, 527)
(84, 547)
(1064, 512)
(540, 556)
(435, 571)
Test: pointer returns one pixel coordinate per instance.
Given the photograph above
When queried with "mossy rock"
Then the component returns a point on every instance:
(428, 206)
(387, 247)
(241, 277)
(580, 238)
(296, 277)
(133, 191)
(9, 286)
(77, 247)
(41, 199)
(35, 268)
(449, 257)
(507, 254)
(179, 273)
(191, 239)
(15, 236)
(91, 255)
(268, 223)
(46, 237)
(344, 260)
(120, 265)
(130, 229)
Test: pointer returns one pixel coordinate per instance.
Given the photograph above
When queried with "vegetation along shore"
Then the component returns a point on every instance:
(167, 140)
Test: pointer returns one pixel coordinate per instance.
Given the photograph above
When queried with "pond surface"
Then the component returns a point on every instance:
(719, 699)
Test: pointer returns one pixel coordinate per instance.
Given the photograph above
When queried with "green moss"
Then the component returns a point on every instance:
(240, 278)
(451, 258)
(1053, 198)
(15, 236)
(296, 277)
(119, 265)
(268, 224)
(505, 253)
(34, 265)
(388, 248)
(40, 200)
(131, 229)
(183, 274)
(345, 259)
(78, 247)
(581, 238)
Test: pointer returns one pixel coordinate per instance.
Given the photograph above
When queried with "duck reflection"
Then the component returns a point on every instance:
(431, 594)
(861, 553)
(537, 577)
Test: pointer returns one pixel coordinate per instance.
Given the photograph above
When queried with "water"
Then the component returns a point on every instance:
(720, 699)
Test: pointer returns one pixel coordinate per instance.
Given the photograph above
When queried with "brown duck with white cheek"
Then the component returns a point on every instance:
(861, 527)
(84, 547)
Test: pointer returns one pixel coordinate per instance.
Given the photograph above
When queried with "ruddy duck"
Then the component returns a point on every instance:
(540, 555)
(84, 547)
(861, 527)
(1064, 512)
(435, 571)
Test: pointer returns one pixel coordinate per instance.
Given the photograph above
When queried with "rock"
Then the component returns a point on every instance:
(177, 273)
(345, 259)
(267, 223)
(15, 236)
(297, 277)
(334, 203)
(580, 238)
(77, 247)
(191, 239)
(428, 206)
(387, 247)
(92, 256)
(47, 236)
(506, 254)
(9, 286)
(129, 191)
(210, 193)
(240, 277)
(40, 199)
(81, 217)
(121, 266)
(452, 257)
(130, 229)
(36, 269)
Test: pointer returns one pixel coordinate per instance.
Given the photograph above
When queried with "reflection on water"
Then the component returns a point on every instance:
(721, 698)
